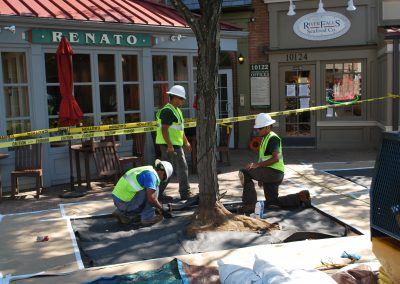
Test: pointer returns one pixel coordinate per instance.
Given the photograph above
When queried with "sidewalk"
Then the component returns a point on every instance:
(305, 169)
(320, 159)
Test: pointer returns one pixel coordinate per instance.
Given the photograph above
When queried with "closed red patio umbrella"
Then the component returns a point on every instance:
(70, 113)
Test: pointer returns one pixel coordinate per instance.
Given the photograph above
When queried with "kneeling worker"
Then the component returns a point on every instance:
(136, 193)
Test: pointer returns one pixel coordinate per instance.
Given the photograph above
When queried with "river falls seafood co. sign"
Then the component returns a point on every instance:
(321, 26)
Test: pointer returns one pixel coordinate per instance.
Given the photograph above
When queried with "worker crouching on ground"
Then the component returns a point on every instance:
(268, 171)
(136, 193)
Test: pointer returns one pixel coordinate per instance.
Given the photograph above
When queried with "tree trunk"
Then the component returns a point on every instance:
(210, 215)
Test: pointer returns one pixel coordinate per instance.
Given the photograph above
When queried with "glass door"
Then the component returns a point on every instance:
(297, 89)
(224, 105)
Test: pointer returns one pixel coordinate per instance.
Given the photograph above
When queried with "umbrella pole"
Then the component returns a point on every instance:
(71, 178)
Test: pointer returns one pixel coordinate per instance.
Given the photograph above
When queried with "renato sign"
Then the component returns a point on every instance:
(321, 26)
(91, 38)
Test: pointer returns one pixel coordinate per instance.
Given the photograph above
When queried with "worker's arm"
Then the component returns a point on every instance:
(152, 198)
(164, 130)
(274, 159)
(186, 143)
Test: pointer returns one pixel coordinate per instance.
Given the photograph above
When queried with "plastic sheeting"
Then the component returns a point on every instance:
(173, 272)
(104, 241)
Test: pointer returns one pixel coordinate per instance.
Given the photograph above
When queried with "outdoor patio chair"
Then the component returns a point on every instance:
(223, 145)
(137, 158)
(28, 162)
(106, 160)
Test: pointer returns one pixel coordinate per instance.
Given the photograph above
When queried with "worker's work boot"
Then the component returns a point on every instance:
(187, 195)
(305, 199)
(246, 209)
(122, 218)
(152, 221)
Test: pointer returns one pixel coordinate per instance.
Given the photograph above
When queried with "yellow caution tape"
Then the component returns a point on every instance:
(140, 127)
(35, 132)
(76, 136)
(87, 129)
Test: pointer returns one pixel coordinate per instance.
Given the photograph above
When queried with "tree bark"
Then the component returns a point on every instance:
(207, 31)
(210, 215)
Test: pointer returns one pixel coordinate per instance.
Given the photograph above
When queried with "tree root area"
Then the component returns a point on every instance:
(219, 218)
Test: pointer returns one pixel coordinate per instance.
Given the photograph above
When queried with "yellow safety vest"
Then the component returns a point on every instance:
(175, 131)
(128, 185)
(280, 166)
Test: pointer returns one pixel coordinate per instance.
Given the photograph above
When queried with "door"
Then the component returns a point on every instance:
(224, 106)
(297, 91)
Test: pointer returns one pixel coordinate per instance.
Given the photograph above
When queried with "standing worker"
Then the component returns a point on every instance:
(171, 137)
(268, 171)
(136, 193)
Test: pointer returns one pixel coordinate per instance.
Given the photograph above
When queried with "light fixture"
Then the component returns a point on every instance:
(321, 9)
(241, 59)
(291, 11)
(350, 6)
(10, 28)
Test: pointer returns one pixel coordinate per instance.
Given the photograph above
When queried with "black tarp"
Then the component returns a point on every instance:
(104, 241)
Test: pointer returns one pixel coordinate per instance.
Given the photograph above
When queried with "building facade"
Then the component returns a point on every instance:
(125, 59)
(327, 58)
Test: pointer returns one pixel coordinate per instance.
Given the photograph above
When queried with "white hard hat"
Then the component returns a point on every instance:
(178, 91)
(166, 166)
(263, 120)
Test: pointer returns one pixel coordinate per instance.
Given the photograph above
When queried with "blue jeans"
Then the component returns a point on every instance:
(180, 166)
(138, 205)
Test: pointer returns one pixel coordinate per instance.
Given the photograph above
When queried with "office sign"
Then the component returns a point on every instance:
(321, 26)
(90, 38)
(260, 85)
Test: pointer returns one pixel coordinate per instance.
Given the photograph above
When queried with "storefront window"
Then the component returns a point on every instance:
(81, 67)
(82, 89)
(180, 68)
(181, 78)
(160, 80)
(343, 84)
(82, 86)
(16, 92)
(107, 88)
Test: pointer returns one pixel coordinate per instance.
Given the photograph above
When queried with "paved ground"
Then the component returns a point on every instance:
(20, 254)
(325, 159)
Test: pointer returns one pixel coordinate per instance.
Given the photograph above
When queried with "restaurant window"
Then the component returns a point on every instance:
(160, 80)
(343, 83)
(172, 70)
(16, 92)
(82, 87)
(130, 78)
(180, 69)
(82, 90)
(108, 89)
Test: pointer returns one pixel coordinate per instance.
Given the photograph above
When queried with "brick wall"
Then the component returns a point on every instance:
(258, 33)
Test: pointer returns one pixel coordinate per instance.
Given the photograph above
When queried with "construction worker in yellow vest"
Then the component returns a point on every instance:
(268, 171)
(171, 138)
(136, 193)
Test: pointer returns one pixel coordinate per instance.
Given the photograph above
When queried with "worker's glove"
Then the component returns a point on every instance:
(163, 212)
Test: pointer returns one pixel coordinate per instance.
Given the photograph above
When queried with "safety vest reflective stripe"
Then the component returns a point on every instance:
(177, 127)
(133, 182)
(280, 166)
